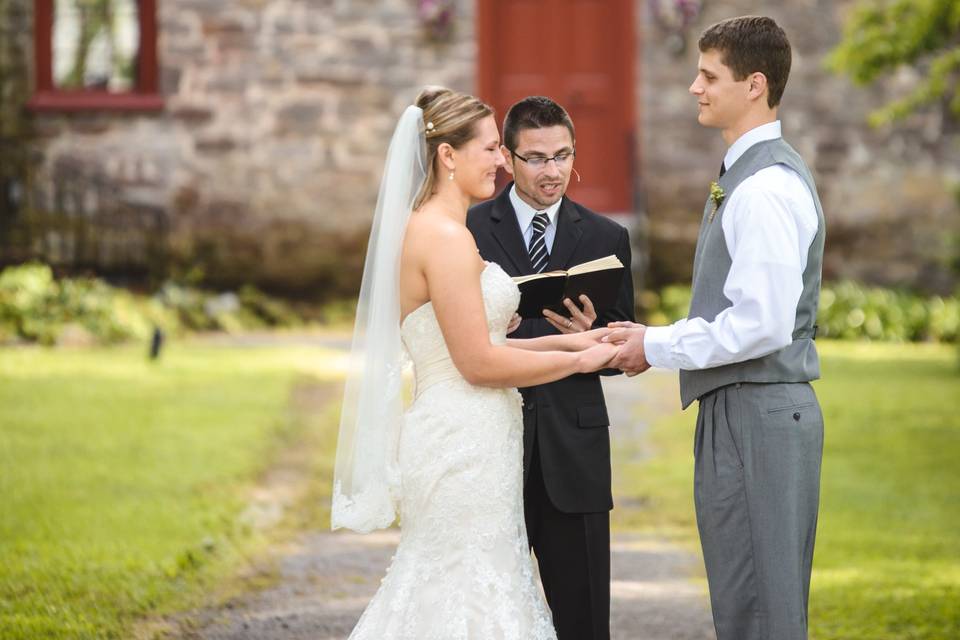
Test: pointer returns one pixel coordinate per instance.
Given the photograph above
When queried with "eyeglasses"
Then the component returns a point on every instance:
(539, 162)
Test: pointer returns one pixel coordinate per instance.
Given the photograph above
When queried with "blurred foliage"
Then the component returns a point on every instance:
(36, 307)
(339, 313)
(848, 311)
(881, 36)
(669, 305)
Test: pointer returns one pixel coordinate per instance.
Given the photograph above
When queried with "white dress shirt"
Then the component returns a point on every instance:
(768, 225)
(525, 214)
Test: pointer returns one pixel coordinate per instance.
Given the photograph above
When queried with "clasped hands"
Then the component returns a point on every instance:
(630, 356)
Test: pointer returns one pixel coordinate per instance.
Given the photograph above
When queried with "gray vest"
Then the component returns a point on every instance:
(798, 361)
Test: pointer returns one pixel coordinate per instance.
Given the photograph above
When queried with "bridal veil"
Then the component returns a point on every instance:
(366, 477)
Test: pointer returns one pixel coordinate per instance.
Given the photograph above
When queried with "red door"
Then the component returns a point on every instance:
(580, 53)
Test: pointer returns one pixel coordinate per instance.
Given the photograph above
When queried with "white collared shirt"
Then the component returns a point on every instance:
(768, 225)
(525, 214)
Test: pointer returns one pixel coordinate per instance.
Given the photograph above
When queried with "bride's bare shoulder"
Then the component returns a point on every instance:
(442, 246)
(428, 227)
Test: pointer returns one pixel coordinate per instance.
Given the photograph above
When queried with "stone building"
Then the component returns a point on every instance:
(251, 149)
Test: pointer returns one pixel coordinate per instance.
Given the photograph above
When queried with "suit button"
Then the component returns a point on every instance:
(796, 416)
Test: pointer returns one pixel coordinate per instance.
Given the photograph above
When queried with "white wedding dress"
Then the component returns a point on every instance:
(463, 568)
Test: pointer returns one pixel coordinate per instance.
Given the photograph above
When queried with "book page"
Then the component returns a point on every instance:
(608, 262)
(538, 276)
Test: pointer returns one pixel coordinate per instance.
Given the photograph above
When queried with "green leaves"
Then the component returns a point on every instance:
(716, 195)
(881, 37)
(848, 311)
(36, 307)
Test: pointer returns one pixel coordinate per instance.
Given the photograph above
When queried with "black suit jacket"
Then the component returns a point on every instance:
(567, 418)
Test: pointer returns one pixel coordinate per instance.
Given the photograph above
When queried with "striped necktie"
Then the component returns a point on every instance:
(538, 243)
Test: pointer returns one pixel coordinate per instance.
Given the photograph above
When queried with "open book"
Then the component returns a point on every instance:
(598, 279)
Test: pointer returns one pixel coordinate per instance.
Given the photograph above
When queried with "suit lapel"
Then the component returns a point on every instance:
(506, 231)
(567, 237)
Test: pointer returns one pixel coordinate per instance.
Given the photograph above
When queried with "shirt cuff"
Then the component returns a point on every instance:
(656, 346)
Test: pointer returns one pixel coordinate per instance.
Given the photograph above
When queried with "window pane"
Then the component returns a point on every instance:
(95, 44)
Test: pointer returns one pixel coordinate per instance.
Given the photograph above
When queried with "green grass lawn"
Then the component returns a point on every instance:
(887, 562)
(121, 481)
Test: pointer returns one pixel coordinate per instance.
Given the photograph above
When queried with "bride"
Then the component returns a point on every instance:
(451, 464)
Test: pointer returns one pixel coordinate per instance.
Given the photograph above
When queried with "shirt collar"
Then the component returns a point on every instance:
(525, 212)
(768, 131)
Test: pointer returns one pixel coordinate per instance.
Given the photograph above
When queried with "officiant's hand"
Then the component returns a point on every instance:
(578, 320)
(632, 358)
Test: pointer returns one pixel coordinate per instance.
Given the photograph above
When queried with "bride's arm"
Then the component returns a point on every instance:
(543, 343)
(453, 280)
(560, 342)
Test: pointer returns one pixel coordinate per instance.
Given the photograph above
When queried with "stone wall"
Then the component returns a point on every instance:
(266, 159)
(267, 156)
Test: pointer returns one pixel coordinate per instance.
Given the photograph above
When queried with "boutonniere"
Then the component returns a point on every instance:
(717, 195)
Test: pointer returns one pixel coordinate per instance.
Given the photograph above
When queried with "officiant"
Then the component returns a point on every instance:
(531, 227)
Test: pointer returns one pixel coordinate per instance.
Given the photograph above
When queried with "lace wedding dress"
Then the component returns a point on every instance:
(463, 568)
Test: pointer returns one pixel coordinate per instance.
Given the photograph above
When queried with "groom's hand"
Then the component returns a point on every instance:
(631, 359)
(578, 320)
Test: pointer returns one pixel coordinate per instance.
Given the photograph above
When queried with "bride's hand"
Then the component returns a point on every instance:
(596, 357)
(585, 339)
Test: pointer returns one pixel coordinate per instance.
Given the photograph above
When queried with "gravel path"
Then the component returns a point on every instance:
(324, 580)
(654, 595)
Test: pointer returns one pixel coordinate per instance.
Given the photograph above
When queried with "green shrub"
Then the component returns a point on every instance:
(666, 307)
(28, 308)
(36, 307)
(339, 312)
(851, 311)
(848, 311)
(272, 312)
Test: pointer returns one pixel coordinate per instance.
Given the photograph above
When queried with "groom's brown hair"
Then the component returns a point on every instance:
(749, 44)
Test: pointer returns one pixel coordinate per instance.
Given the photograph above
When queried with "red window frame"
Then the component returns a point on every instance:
(144, 97)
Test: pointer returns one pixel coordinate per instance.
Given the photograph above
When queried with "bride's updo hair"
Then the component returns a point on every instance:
(448, 116)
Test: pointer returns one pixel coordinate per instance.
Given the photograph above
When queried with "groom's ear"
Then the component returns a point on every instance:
(507, 159)
(758, 86)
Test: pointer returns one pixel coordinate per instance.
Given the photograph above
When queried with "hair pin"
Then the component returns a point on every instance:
(430, 127)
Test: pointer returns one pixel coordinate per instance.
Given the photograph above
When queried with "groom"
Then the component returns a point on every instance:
(746, 349)
(532, 227)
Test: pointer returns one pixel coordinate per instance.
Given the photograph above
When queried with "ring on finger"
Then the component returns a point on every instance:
(569, 323)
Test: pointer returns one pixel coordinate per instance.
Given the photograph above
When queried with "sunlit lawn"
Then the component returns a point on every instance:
(121, 481)
(887, 562)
